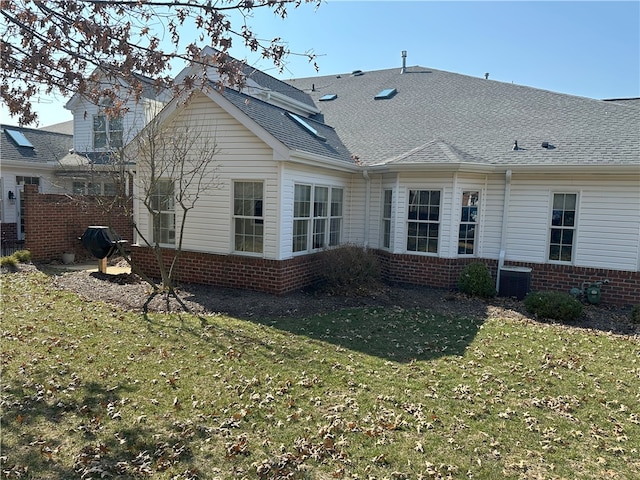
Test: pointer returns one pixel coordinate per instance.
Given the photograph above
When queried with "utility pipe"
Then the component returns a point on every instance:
(367, 196)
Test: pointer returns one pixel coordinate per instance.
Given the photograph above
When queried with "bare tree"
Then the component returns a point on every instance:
(175, 164)
(75, 46)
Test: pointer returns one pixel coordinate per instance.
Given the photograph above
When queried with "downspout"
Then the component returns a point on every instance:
(505, 215)
(367, 196)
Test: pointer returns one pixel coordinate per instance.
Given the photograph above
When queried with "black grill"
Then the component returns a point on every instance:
(100, 241)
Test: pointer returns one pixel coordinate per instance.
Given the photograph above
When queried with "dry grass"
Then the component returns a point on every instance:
(89, 391)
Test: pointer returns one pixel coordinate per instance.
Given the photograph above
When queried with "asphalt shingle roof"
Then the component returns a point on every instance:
(47, 146)
(475, 118)
(284, 128)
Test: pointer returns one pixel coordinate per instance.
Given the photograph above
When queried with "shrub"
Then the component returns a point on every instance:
(10, 261)
(554, 305)
(23, 256)
(635, 314)
(349, 270)
(476, 280)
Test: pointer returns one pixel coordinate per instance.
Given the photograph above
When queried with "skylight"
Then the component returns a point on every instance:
(384, 94)
(306, 126)
(328, 97)
(19, 138)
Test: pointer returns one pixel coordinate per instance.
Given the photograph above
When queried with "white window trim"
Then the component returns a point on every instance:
(385, 219)
(175, 225)
(476, 237)
(234, 217)
(574, 245)
(108, 132)
(309, 247)
(407, 221)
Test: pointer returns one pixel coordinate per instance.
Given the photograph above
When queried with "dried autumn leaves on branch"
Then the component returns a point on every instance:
(57, 46)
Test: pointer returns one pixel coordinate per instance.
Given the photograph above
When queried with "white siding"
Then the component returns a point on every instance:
(607, 227)
(133, 121)
(241, 156)
(493, 205)
(418, 181)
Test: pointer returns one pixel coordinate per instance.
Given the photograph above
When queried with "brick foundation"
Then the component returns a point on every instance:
(280, 277)
(234, 271)
(53, 222)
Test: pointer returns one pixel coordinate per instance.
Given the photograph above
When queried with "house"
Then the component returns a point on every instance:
(29, 157)
(432, 170)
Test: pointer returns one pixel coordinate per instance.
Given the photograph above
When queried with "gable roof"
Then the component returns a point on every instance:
(62, 127)
(279, 123)
(477, 117)
(48, 147)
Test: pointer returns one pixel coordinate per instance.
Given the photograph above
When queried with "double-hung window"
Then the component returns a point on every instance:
(317, 217)
(562, 228)
(386, 218)
(248, 217)
(163, 212)
(468, 223)
(107, 132)
(423, 221)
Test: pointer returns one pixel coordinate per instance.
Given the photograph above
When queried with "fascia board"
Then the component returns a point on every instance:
(30, 165)
(305, 158)
(544, 169)
(433, 167)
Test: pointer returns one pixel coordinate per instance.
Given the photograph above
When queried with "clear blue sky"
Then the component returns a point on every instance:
(589, 49)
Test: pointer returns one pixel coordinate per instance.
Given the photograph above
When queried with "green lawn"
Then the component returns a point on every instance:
(89, 391)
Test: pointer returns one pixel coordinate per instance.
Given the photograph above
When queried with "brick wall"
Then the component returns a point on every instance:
(623, 287)
(234, 271)
(53, 222)
(279, 277)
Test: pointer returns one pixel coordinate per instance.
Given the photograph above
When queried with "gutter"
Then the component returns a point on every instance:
(505, 215)
(367, 196)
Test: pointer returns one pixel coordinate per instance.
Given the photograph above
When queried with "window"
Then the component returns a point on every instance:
(81, 187)
(163, 207)
(386, 218)
(468, 223)
(27, 180)
(423, 225)
(563, 223)
(320, 226)
(107, 132)
(248, 216)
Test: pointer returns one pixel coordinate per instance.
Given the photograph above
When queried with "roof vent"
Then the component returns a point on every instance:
(548, 146)
(486, 76)
(515, 145)
(357, 73)
(328, 97)
(404, 62)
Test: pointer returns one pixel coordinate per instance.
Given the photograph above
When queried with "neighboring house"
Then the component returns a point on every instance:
(430, 169)
(28, 157)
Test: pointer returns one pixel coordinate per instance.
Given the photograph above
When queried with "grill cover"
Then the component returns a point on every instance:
(100, 241)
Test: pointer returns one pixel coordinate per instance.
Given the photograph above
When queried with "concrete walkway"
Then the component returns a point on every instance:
(90, 267)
